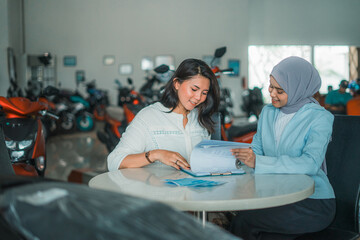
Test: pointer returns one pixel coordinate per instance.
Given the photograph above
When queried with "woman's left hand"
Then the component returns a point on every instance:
(245, 155)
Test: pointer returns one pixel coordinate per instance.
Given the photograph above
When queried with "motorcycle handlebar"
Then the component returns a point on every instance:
(52, 115)
(227, 70)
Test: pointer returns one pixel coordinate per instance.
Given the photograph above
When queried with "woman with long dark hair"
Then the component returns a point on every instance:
(166, 132)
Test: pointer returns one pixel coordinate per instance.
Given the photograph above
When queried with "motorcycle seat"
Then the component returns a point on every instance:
(237, 131)
(116, 113)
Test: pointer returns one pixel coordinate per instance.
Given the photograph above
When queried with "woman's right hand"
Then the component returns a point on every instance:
(245, 155)
(170, 158)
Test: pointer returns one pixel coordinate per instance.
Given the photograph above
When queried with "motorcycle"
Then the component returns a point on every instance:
(252, 102)
(160, 78)
(98, 100)
(118, 118)
(84, 119)
(115, 125)
(230, 132)
(34, 92)
(73, 113)
(252, 105)
(130, 103)
(24, 132)
(226, 104)
(66, 122)
(14, 90)
(130, 100)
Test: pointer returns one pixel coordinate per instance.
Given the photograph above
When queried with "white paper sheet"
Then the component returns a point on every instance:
(214, 156)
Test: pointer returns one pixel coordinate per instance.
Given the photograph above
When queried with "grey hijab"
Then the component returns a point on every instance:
(299, 79)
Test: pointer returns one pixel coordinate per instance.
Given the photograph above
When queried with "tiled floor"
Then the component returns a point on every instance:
(66, 152)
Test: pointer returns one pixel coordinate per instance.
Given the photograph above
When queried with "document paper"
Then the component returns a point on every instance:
(213, 157)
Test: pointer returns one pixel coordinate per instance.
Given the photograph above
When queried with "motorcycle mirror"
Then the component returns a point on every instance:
(163, 68)
(118, 83)
(219, 52)
(130, 81)
(227, 71)
(50, 91)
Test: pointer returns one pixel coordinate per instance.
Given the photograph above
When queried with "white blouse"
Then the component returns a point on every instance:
(154, 128)
(281, 121)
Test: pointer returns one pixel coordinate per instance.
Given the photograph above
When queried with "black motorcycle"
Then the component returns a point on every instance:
(253, 102)
(98, 100)
(226, 104)
(160, 78)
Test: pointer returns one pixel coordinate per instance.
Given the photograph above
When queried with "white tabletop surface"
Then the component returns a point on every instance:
(240, 192)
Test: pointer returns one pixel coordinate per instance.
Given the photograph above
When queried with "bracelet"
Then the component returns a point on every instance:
(147, 155)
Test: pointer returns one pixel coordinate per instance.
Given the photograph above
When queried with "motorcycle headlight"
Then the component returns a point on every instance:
(40, 163)
(227, 119)
(10, 144)
(17, 154)
(25, 144)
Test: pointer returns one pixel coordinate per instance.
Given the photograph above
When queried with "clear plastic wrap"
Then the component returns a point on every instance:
(56, 210)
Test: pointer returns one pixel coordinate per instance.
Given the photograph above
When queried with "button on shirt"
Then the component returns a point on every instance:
(155, 128)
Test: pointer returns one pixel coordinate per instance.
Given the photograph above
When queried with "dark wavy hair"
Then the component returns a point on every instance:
(188, 69)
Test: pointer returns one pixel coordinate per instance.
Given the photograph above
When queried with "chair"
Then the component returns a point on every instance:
(343, 165)
(5, 163)
(216, 117)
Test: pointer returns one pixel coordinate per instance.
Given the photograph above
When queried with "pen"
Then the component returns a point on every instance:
(220, 174)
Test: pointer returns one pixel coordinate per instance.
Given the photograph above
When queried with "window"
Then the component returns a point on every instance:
(332, 62)
(262, 59)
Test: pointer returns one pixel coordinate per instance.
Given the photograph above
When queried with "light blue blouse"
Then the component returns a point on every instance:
(301, 148)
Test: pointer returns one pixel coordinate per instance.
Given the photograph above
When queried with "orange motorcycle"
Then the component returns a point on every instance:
(24, 132)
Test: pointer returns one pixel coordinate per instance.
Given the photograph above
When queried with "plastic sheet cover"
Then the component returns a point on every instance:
(52, 210)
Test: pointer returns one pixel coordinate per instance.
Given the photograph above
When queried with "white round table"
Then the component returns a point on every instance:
(240, 192)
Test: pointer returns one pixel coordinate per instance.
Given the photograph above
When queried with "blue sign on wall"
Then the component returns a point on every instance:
(69, 61)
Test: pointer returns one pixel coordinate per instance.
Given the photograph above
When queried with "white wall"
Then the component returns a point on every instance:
(4, 42)
(132, 29)
(325, 22)
(15, 35)
(10, 29)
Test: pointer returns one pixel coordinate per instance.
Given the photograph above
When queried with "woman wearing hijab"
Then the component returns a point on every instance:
(292, 137)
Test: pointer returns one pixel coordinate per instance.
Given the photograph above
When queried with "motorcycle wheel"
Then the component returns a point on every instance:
(85, 122)
(67, 122)
(49, 127)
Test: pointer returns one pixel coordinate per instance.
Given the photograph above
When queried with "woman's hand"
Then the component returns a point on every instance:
(245, 155)
(170, 158)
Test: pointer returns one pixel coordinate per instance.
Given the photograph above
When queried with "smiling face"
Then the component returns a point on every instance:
(191, 93)
(279, 98)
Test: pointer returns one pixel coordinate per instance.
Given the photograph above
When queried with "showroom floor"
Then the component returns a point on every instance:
(67, 152)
